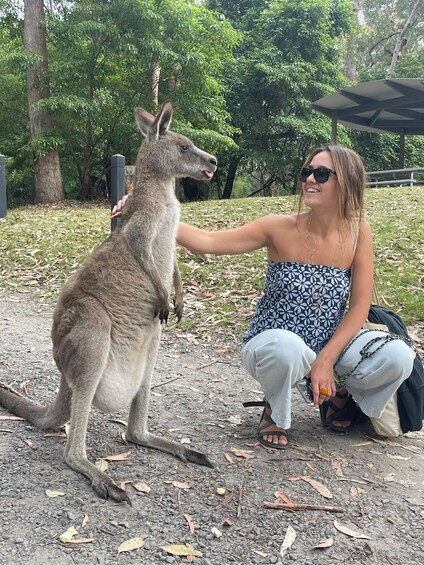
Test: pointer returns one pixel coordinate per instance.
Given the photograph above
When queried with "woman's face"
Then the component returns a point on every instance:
(321, 193)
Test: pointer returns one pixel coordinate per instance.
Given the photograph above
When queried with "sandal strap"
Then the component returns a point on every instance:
(267, 422)
(263, 403)
(344, 413)
(255, 403)
(279, 433)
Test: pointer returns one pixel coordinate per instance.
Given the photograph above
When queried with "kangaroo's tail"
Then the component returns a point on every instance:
(50, 417)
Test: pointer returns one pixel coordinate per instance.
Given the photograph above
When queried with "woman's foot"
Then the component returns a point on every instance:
(269, 434)
(337, 413)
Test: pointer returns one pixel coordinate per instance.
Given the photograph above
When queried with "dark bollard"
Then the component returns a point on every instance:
(3, 199)
(117, 183)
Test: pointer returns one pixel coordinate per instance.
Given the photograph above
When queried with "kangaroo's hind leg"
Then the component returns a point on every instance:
(137, 431)
(83, 354)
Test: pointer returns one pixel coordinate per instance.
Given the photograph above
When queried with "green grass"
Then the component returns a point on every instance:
(40, 246)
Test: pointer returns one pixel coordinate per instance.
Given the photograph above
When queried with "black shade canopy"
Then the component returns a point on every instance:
(379, 106)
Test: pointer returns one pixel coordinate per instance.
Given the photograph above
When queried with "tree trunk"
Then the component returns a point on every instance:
(47, 176)
(86, 185)
(231, 175)
(352, 46)
(402, 38)
(154, 84)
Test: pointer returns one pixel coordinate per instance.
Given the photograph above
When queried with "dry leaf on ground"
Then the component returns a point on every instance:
(337, 466)
(183, 486)
(142, 487)
(236, 420)
(124, 484)
(190, 522)
(85, 520)
(356, 491)
(245, 453)
(229, 458)
(347, 531)
(280, 495)
(118, 457)
(181, 550)
(361, 444)
(322, 489)
(68, 535)
(77, 541)
(102, 465)
(227, 522)
(54, 493)
(261, 553)
(324, 544)
(288, 540)
(130, 545)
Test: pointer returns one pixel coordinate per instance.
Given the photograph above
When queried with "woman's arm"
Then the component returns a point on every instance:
(243, 239)
(359, 304)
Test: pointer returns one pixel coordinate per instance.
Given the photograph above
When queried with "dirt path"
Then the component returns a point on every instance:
(197, 398)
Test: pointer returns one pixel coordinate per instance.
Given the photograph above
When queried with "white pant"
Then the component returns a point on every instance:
(278, 359)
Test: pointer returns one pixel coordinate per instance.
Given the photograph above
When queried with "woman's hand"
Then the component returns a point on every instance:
(322, 380)
(117, 210)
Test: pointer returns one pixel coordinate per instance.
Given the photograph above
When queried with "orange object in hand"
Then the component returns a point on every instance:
(323, 391)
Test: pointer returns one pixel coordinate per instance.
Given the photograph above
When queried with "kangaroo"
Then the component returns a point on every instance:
(107, 321)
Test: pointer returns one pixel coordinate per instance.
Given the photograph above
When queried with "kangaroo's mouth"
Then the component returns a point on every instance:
(208, 174)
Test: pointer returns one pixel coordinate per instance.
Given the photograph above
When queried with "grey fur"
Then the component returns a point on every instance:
(107, 321)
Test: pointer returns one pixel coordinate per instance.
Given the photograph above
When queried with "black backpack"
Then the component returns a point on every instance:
(410, 395)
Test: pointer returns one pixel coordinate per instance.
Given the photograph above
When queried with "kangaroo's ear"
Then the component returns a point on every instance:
(144, 120)
(154, 127)
(162, 121)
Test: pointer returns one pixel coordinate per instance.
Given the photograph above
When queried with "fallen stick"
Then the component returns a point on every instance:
(294, 506)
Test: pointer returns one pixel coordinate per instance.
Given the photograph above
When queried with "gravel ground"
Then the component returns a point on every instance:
(197, 395)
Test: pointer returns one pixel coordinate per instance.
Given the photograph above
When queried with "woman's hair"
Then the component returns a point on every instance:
(351, 176)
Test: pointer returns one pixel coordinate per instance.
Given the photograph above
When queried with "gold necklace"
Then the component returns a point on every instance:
(311, 244)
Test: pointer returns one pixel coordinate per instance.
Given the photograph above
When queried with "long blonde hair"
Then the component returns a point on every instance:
(351, 176)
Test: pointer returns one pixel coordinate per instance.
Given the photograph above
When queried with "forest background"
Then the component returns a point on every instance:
(241, 73)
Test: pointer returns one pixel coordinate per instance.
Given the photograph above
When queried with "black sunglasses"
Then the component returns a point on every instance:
(321, 174)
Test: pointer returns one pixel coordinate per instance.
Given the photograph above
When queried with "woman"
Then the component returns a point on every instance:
(317, 259)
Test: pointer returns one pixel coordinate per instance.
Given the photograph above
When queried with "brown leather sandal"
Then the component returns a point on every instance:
(264, 423)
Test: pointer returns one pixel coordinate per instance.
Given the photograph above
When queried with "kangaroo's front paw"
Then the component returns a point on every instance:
(178, 308)
(162, 310)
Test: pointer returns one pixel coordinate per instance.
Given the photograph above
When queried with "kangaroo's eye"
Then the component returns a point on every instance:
(184, 148)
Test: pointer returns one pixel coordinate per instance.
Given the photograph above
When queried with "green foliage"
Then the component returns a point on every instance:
(101, 56)
(290, 57)
(380, 26)
(381, 152)
(252, 110)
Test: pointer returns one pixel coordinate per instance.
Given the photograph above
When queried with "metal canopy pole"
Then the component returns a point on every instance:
(402, 149)
(334, 129)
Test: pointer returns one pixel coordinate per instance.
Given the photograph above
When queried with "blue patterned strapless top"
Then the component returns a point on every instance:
(309, 300)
